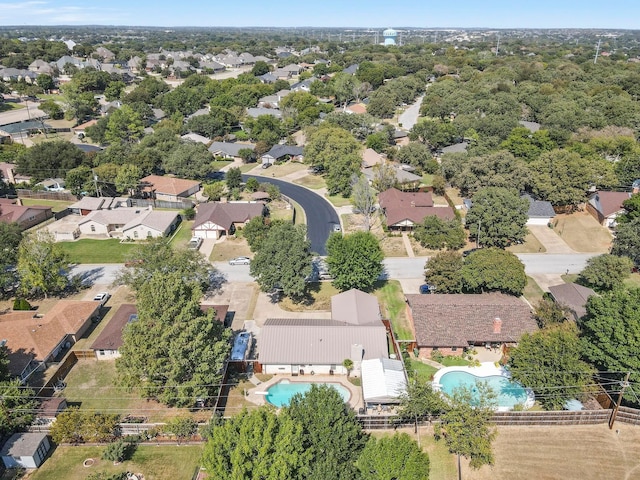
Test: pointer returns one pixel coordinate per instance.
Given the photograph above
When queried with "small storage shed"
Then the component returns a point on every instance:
(383, 381)
(25, 450)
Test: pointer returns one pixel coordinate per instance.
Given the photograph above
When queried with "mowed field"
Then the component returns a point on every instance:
(563, 453)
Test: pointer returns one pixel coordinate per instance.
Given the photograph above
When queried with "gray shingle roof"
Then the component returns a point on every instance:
(459, 320)
(573, 296)
(22, 444)
(539, 208)
(229, 148)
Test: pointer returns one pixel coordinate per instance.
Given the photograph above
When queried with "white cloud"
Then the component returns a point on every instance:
(46, 13)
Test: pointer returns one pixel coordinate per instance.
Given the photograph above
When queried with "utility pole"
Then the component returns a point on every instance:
(95, 183)
(498, 45)
(478, 235)
(623, 385)
(595, 59)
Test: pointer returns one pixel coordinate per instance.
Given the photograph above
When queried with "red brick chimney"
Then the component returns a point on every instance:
(497, 325)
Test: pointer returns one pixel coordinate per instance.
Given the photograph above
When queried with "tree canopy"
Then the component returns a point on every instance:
(50, 159)
(492, 269)
(627, 241)
(444, 272)
(354, 260)
(397, 457)
(606, 272)
(436, 233)
(42, 265)
(283, 260)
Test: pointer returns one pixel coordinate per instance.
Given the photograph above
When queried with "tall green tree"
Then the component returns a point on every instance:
(233, 178)
(124, 125)
(436, 233)
(420, 400)
(550, 362)
(50, 159)
(500, 169)
(255, 231)
(337, 153)
(330, 433)
(497, 217)
(627, 241)
(17, 407)
(174, 352)
(606, 272)
(283, 260)
(444, 271)
(393, 458)
(610, 333)
(78, 426)
(128, 178)
(492, 269)
(364, 199)
(466, 427)
(10, 238)
(354, 260)
(42, 265)
(189, 160)
(257, 444)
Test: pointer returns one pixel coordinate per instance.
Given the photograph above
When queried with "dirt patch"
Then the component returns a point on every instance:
(582, 232)
(230, 248)
(393, 247)
(530, 245)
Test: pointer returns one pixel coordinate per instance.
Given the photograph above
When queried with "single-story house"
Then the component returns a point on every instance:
(107, 345)
(259, 111)
(87, 204)
(280, 151)
(25, 450)
(401, 138)
(357, 108)
(53, 184)
(540, 211)
(606, 206)
(214, 219)
(308, 346)
(24, 216)
(33, 339)
(452, 323)
(194, 137)
(230, 150)
(403, 210)
(384, 381)
(169, 188)
(131, 223)
(572, 296)
(455, 148)
(9, 174)
(370, 158)
(81, 129)
(533, 127)
(304, 85)
(39, 66)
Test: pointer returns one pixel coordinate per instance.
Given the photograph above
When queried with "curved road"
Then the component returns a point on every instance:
(319, 212)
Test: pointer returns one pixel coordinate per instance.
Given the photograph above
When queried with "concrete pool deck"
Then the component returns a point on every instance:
(355, 401)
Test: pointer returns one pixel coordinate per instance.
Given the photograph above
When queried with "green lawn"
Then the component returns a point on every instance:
(423, 371)
(454, 361)
(97, 251)
(218, 164)
(339, 200)
(7, 106)
(154, 462)
(313, 182)
(532, 292)
(393, 306)
(56, 205)
(182, 235)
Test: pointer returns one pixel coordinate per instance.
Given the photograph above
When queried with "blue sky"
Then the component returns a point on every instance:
(326, 13)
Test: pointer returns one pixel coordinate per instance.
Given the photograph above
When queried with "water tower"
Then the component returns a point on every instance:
(389, 36)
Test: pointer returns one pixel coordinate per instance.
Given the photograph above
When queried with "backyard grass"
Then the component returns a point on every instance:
(313, 182)
(393, 307)
(236, 400)
(182, 236)
(582, 232)
(56, 205)
(232, 247)
(532, 291)
(97, 251)
(154, 462)
(93, 385)
(427, 179)
(423, 371)
(454, 361)
(454, 195)
(338, 200)
(531, 245)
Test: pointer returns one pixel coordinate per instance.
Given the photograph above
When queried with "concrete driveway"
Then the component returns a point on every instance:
(550, 239)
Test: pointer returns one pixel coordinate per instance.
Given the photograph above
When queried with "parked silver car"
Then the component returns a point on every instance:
(240, 261)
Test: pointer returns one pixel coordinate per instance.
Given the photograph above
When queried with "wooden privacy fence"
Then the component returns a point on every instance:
(628, 415)
(563, 417)
(64, 196)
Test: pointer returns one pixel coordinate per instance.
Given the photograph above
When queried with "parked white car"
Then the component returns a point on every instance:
(101, 297)
(240, 261)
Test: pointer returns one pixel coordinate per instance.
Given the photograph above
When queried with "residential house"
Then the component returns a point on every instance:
(40, 67)
(278, 152)
(308, 346)
(281, 74)
(194, 137)
(107, 345)
(456, 322)
(53, 184)
(87, 204)
(268, 78)
(401, 138)
(105, 54)
(9, 175)
(273, 101)
(533, 127)
(49, 409)
(129, 223)
(25, 450)
(351, 69)
(304, 85)
(455, 148)
(356, 108)
(169, 188)
(606, 206)
(80, 130)
(33, 339)
(25, 216)
(572, 296)
(212, 66)
(135, 64)
(62, 61)
(230, 150)
(370, 158)
(17, 75)
(540, 211)
(404, 210)
(258, 111)
(214, 219)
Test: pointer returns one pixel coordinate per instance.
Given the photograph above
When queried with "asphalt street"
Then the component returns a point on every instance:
(320, 213)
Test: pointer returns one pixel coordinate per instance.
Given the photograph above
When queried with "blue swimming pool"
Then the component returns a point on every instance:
(509, 393)
(280, 394)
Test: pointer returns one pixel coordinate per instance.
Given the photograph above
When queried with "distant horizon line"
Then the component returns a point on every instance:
(310, 27)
